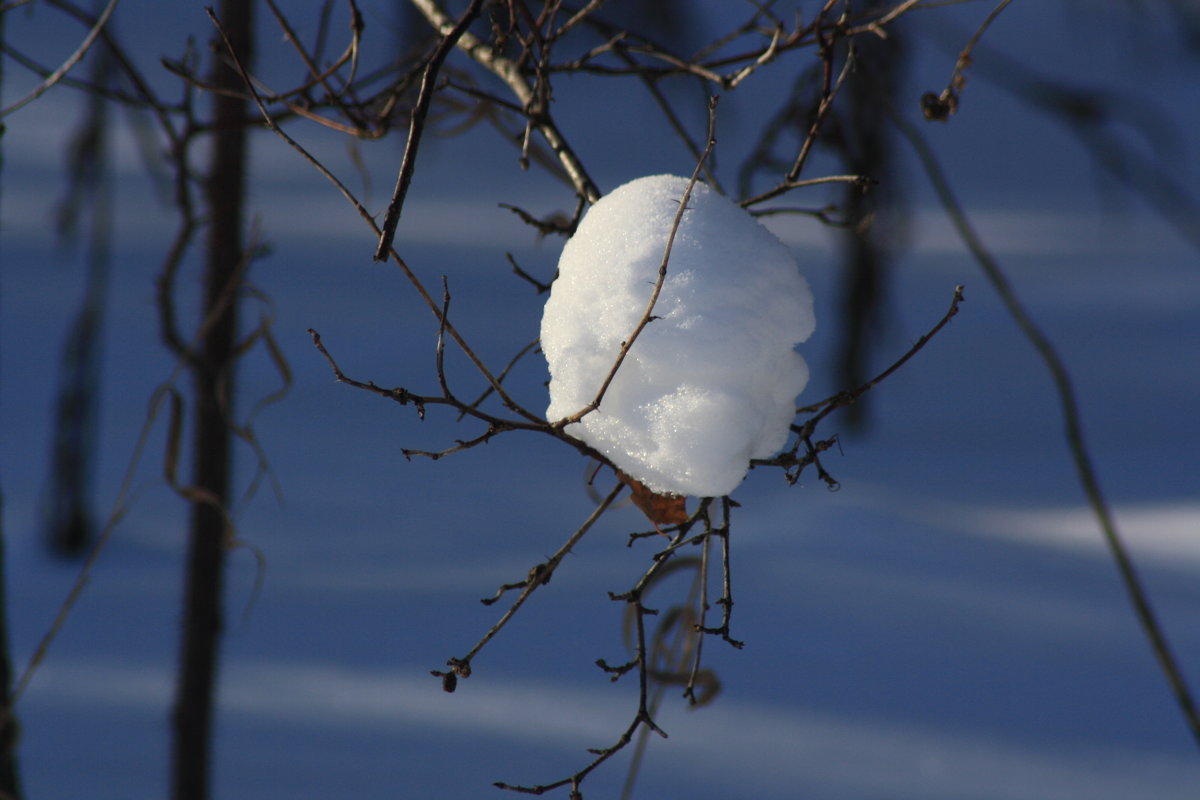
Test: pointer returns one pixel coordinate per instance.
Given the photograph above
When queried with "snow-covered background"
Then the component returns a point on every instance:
(947, 625)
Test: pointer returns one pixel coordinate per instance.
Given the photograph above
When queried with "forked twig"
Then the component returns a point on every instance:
(846, 398)
(538, 576)
(829, 92)
(643, 719)
(365, 215)
(725, 601)
(510, 72)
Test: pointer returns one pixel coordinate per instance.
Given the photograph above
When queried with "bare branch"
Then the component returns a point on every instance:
(509, 72)
(829, 93)
(67, 65)
(366, 216)
(843, 399)
(539, 576)
(399, 393)
(417, 126)
(942, 106)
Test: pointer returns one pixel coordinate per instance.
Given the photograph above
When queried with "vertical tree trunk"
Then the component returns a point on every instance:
(214, 370)
(9, 784)
(10, 788)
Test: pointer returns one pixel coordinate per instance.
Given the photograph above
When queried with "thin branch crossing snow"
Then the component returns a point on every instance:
(711, 382)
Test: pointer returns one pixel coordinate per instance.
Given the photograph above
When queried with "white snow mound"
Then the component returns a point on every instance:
(711, 383)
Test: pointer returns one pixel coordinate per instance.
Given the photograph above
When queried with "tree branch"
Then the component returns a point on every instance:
(509, 72)
(417, 126)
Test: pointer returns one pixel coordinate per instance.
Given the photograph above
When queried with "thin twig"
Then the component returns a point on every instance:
(67, 65)
(400, 262)
(399, 393)
(767, 56)
(509, 72)
(417, 126)
(792, 462)
(440, 355)
(528, 348)
(318, 76)
(495, 425)
(539, 576)
(690, 689)
(643, 719)
(579, 16)
(942, 106)
(672, 118)
(829, 92)
(726, 599)
(843, 399)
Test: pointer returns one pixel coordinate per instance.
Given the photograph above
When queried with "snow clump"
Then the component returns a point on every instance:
(712, 381)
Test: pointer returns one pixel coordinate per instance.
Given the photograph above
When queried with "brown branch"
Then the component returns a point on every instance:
(725, 601)
(440, 353)
(417, 126)
(366, 217)
(495, 425)
(318, 76)
(792, 462)
(643, 719)
(846, 398)
(829, 92)
(529, 348)
(539, 576)
(579, 16)
(538, 286)
(689, 690)
(556, 223)
(824, 214)
(399, 394)
(942, 106)
(459, 444)
(672, 118)
(510, 72)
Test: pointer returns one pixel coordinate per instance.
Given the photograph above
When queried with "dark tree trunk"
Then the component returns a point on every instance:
(10, 786)
(9, 783)
(214, 371)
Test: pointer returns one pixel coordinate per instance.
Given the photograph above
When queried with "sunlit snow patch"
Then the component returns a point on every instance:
(712, 382)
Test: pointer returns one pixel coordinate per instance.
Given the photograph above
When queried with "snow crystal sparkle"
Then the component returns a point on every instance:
(712, 381)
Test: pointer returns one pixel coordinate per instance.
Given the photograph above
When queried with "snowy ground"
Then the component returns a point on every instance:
(948, 625)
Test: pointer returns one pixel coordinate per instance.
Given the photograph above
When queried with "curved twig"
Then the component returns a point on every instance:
(1073, 427)
(67, 65)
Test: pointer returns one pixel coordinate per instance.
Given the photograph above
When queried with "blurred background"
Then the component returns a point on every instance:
(948, 624)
